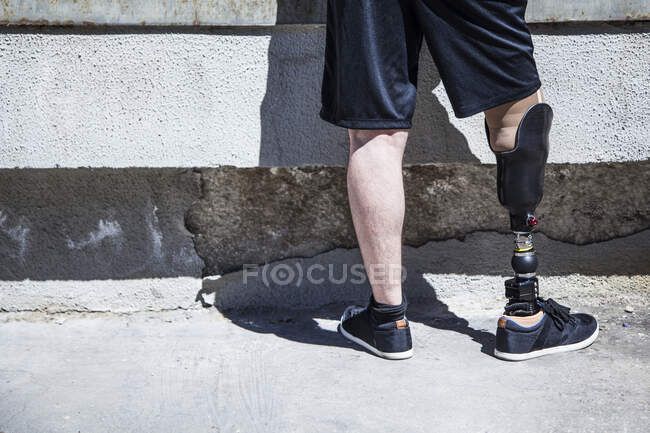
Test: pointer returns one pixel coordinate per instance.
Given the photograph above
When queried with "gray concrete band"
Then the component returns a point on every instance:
(265, 12)
(102, 223)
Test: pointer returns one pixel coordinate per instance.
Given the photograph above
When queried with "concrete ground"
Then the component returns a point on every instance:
(201, 370)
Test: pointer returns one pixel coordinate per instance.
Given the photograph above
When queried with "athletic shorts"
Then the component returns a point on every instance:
(482, 49)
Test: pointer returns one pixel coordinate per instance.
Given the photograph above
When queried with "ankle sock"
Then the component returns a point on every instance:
(384, 313)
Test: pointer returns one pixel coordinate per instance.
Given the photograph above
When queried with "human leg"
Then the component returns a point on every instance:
(484, 53)
(376, 196)
(369, 87)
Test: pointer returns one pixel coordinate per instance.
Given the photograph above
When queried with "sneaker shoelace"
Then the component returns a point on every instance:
(558, 313)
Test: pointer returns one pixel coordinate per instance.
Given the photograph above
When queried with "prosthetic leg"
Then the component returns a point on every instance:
(547, 326)
(520, 186)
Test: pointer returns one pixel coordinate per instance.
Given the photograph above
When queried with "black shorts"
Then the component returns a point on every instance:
(482, 49)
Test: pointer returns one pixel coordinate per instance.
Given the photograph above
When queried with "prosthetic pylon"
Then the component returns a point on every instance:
(520, 186)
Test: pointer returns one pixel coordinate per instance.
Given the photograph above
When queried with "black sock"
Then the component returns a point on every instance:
(384, 313)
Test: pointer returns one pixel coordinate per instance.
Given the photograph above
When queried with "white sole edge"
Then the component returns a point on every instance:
(386, 355)
(549, 351)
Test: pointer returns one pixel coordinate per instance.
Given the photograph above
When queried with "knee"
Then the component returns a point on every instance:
(393, 140)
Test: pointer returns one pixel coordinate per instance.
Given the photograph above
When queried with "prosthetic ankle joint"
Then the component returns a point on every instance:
(520, 186)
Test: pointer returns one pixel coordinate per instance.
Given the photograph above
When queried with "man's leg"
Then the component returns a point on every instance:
(369, 88)
(484, 54)
(530, 326)
(376, 195)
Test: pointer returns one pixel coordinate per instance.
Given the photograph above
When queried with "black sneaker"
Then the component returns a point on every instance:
(557, 331)
(390, 340)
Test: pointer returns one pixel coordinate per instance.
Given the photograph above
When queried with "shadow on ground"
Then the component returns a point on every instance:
(303, 326)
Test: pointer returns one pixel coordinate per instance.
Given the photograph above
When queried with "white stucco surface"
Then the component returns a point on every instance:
(246, 97)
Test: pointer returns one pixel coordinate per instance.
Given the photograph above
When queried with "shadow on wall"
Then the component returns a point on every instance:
(292, 133)
(288, 297)
(337, 275)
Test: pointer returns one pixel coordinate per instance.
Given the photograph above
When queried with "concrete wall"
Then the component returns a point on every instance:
(247, 97)
(110, 237)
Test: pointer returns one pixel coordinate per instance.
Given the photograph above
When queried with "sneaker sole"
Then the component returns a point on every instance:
(548, 351)
(385, 355)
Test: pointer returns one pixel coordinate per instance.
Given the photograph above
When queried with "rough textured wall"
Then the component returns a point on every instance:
(116, 239)
(90, 224)
(119, 239)
(260, 215)
(170, 97)
(96, 223)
